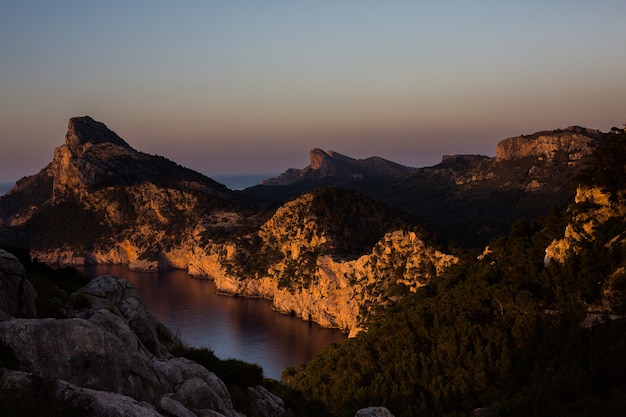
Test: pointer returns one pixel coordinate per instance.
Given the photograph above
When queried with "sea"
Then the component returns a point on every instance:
(232, 327)
(5, 186)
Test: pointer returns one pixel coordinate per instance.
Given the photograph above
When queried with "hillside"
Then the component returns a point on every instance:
(470, 198)
(100, 200)
(532, 325)
(336, 166)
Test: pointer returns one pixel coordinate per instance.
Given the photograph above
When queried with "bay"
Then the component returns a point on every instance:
(232, 327)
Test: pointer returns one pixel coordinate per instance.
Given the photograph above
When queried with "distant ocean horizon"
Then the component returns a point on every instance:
(5, 186)
(241, 181)
(232, 181)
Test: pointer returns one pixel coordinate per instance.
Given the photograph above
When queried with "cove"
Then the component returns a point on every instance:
(232, 327)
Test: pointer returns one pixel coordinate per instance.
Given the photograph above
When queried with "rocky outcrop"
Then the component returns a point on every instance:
(84, 132)
(106, 358)
(304, 279)
(374, 412)
(98, 171)
(295, 261)
(597, 207)
(335, 165)
(593, 209)
(17, 295)
(268, 404)
(574, 141)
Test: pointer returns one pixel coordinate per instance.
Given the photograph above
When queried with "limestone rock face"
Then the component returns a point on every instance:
(146, 212)
(17, 295)
(575, 141)
(84, 131)
(593, 208)
(333, 164)
(90, 402)
(581, 227)
(324, 288)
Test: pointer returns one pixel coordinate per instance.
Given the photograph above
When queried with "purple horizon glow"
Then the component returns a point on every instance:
(251, 87)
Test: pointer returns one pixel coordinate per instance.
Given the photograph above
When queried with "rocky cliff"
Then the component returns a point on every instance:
(595, 231)
(574, 140)
(303, 274)
(471, 198)
(297, 260)
(95, 161)
(327, 257)
(337, 166)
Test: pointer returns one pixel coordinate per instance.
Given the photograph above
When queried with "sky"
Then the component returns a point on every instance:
(241, 87)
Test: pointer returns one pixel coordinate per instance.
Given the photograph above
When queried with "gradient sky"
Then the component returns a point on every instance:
(252, 86)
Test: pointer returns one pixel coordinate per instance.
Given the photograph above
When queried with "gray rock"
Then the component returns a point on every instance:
(92, 402)
(89, 355)
(374, 412)
(195, 393)
(17, 295)
(102, 403)
(81, 352)
(208, 413)
(268, 404)
(118, 296)
(109, 360)
(171, 407)
(186, 375)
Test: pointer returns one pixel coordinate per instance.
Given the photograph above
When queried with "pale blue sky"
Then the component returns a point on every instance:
(252, 86)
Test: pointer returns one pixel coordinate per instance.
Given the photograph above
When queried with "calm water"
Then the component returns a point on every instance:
(233, 327)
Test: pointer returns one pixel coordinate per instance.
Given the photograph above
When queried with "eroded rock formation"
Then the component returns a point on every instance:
(574, 140)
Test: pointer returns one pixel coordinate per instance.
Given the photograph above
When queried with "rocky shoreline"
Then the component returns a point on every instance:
(109, 356)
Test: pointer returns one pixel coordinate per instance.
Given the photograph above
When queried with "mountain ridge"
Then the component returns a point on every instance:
(337, 166)
(101, 201)
(470, 198)
(105, 202)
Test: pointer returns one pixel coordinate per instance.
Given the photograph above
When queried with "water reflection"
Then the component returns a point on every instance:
(233, 327)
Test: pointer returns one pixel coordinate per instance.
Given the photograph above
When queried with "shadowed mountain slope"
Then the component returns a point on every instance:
(470, 198)
(99, 189)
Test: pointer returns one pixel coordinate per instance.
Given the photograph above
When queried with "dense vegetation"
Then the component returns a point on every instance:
(501, 330)
(482, 337)
(351, 222)
(355, 222)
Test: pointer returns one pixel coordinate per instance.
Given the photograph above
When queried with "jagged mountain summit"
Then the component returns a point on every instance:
(101, 200)
(95, 158)
(337, 166)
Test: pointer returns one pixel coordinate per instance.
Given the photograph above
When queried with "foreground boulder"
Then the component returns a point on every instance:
(17, 295)
(107, 360)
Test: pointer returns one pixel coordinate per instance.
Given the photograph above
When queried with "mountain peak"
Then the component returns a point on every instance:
(334, 165)
(85, 131)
